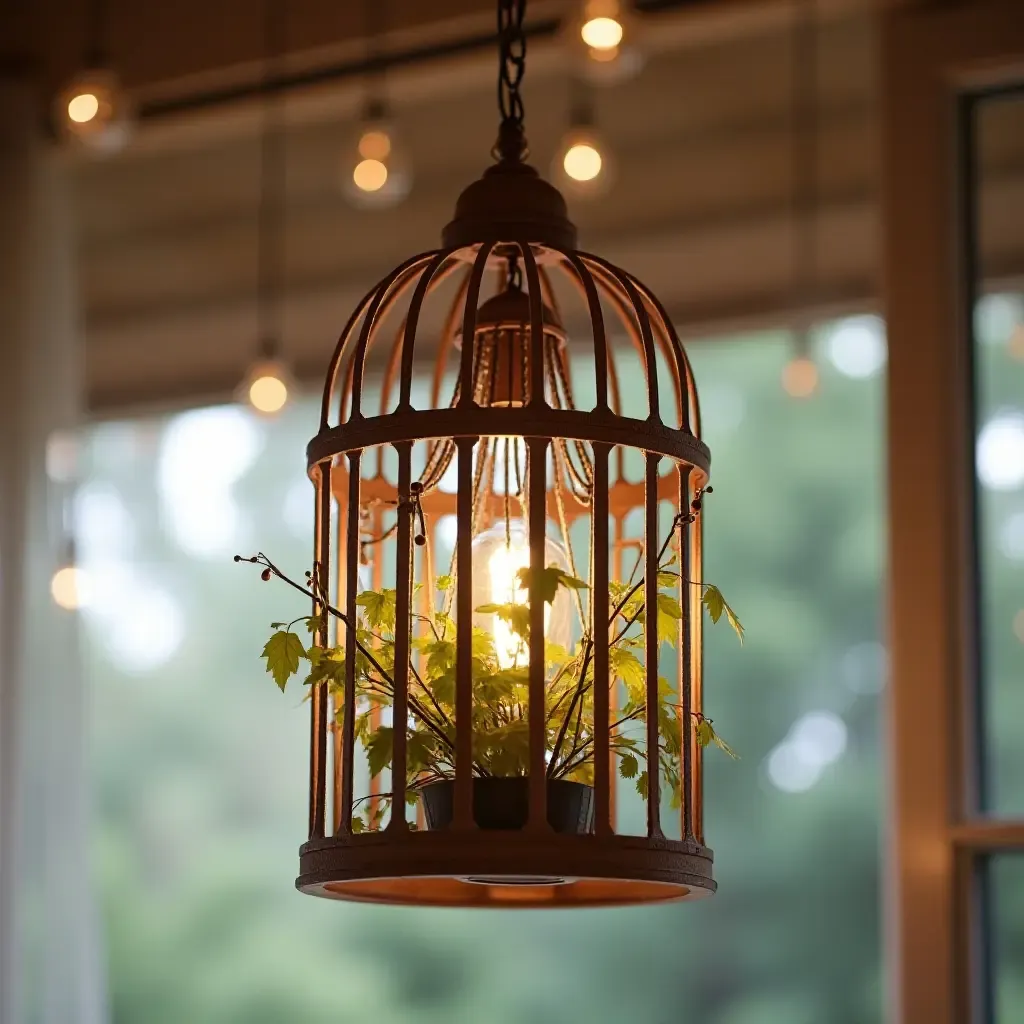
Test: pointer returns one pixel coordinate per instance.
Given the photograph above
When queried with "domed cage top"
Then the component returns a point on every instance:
(492, 544)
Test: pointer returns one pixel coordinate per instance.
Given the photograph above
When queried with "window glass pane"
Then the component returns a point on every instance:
(201, 764)
(999, 376)
(1006, 896)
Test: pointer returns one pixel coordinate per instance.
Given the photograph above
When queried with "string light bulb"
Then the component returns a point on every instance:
(376, 173)
(68, 584)
(93, 110)
(268, 386)
(602, 34)
(800, 375)
(582, 165)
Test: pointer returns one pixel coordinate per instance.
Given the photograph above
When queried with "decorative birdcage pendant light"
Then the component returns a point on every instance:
(507, 588)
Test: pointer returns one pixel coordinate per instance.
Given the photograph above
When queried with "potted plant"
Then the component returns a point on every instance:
(500, 694)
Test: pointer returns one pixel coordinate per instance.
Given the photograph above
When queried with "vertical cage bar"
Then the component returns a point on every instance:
(600, 610)
(696, 533)
(463, 812)
(476, 276)
(537, 448)
(339, 585)
(314, 716)
(685, 661)
(615, 702)
(403, 625)
(318, 725)
(348, 734)
(651, 642)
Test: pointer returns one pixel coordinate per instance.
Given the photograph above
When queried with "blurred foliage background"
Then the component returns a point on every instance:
(200, 765)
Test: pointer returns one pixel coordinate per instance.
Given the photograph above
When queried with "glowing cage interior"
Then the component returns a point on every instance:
(535, 394)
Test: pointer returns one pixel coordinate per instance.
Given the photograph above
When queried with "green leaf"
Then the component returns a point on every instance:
(555, 655)
(440, 657)
(379, 748)
(628, 766)
(282, 652)
(625, 665)
(705, 732)
(720, 743)
(379, 608)
(358, 825)
(516, 615)
(669, 614)
(668, 579)
(314, 623)
(278, 625)
(444, 582)
(641, 784)
(548, 581)
(716, 605)
(421, 751)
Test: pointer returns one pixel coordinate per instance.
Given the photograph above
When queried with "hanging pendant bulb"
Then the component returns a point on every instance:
(92, 109)
(68, 585)
(268, 384)
(583, 166)
(602, 35)
(800, 375)
(376, 170)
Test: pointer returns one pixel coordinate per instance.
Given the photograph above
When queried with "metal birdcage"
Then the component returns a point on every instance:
(455, 442)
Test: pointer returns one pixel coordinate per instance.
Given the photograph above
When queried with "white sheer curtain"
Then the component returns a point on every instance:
(50, 955)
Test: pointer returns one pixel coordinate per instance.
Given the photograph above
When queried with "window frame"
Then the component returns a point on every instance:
(936, 63)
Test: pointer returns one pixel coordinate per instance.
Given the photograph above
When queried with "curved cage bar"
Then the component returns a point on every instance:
(508, 479)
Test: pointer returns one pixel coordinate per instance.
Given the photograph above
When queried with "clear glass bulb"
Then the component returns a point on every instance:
(583, 167)
(601, 35)
(267, 387)
(94, 111)
(498, 555)
(67, 587)
(378, 173)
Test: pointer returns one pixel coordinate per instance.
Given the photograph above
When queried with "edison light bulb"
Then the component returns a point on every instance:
(582, 167)
(267, 387)
(378, 175)
(67, 586)
(498, 556)
(93, 110)
(603, 33)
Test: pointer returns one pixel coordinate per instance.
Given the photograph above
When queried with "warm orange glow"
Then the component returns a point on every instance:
(66, 588)
(268, 394)
(800, 377)
(375, 145)
(602, 34)
(83, 107)
(582, 161)
(370, 175)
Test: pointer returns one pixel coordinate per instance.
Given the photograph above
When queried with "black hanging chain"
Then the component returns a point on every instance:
(511, 68)
(270, 242)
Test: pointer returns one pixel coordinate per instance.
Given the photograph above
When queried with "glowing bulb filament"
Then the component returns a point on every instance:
(582, 162)
(83, 107)
(602, 33)
(504, 565)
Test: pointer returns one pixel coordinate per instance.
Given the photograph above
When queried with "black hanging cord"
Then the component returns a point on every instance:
(270, 241)
(511, 67)
(96, 46)
(805, 154)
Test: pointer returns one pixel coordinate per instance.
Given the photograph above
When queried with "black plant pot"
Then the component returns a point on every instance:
(505, 804)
